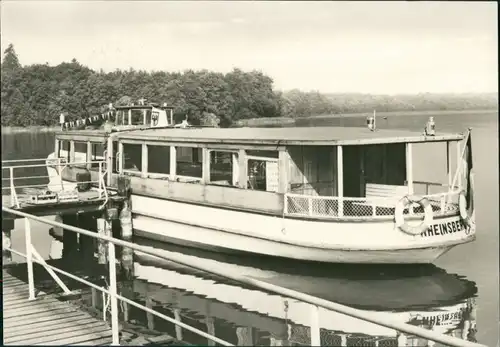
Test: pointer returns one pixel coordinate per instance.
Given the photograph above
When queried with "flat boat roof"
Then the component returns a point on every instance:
(313, 136)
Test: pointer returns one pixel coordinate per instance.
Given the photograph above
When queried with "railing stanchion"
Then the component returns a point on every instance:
(315, 329)
(178, 328)
(285, 204)
(29, 258)
(443, 203)
(12, 188)
(113, 291)
(99, 179)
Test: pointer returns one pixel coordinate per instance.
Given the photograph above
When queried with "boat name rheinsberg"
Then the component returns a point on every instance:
(445, 228)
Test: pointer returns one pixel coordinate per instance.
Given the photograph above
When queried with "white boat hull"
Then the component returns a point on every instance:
(234, 231)
(265, 247)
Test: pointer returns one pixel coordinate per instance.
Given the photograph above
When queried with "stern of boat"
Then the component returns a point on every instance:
(382, 230)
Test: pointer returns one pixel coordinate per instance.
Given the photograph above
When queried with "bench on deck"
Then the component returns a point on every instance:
(384, 195)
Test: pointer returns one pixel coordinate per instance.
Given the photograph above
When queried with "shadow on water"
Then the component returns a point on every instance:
(426, 296)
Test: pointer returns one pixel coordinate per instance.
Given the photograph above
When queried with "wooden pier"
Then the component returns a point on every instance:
(47, 320)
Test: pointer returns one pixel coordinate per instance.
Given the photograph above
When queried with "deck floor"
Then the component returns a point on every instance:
(24, 198)
(88, 201)
(47, 320)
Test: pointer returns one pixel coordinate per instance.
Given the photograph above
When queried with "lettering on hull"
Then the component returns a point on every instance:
(446, 228)
(440, 319)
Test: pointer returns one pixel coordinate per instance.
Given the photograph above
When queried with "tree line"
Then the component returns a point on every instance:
(37, 94)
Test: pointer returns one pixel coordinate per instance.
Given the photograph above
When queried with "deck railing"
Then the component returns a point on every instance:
(314, 302)
(332, 207)
(15, 172)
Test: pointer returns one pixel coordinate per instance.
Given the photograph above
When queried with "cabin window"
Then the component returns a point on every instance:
(132, 157)
(137, 117)
(263, 172)
(189, 162)
(313, 170)
(114, 164)
(59, 144)
(159, 159)
(384, 163)
(223, 168)
(97, 153)
(148, 117)
(120, 118)
(81, 147)
(64, 150)
(80, 152)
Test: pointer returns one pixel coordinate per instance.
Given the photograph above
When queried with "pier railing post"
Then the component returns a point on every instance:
(99, 179)
(178, 329)
(12, 189)
(112, 290)
(315, 329)
(29, 258)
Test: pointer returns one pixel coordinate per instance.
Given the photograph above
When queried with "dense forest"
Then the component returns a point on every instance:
(37, 94)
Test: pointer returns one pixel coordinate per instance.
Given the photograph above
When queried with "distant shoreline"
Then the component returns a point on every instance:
(405, 113)
(282, 120)
(28, 129)
(288, 120)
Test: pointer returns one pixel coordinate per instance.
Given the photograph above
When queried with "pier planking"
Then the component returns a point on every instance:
(46, 320)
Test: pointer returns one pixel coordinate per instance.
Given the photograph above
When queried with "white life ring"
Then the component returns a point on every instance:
(400, 220)
(462, 204)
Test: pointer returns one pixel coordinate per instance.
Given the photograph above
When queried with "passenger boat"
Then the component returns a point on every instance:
(328, 194)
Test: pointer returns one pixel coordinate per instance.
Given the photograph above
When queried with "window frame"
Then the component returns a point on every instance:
(121, 164)
(158, 175)
(181, 178)
(233, 184)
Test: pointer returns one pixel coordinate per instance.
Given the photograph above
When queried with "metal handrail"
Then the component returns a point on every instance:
(314, 301)
(50, 162)
(55, 164)
(128, 301)
(47, 185)
(22, 160)
(347, 198)
(24, 178)
(372, 202)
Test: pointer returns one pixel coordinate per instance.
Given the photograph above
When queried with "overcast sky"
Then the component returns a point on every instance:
(393, 47)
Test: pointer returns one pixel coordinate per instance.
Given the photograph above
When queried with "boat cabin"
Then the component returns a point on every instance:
(323, 172)
(254, 167)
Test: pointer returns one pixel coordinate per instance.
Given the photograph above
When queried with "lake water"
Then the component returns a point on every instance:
(460, 290)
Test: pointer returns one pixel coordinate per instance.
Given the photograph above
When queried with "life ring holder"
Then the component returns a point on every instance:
(462, 205)
(399, 217)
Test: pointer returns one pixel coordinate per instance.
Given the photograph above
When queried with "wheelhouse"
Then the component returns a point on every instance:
(144, 115)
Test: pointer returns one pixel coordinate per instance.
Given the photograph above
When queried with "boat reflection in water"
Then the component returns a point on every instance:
(423, 295)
